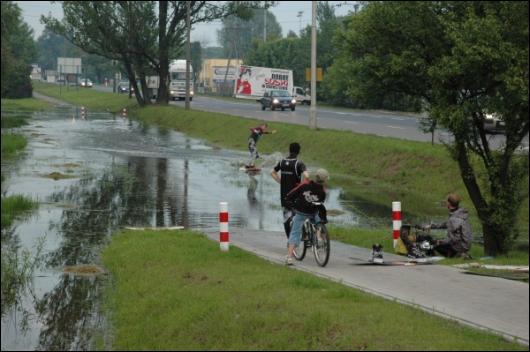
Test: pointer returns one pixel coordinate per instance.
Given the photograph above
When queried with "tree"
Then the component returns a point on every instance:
(238, 34)
(112, 30)
(18, 51)
(196, 60)
(51, 46)
(464, 60)
(141, 35)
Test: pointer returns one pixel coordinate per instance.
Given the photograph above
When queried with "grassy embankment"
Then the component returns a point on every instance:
(11, 144)
(176, 291)
(370, 169)
(16, 268)
(88, 97)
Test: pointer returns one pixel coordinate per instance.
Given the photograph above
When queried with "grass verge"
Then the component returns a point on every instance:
(177, 291)
(90, 98)
(29, 104)
(370, 169)
(365, 238)
(11, 144)
(14, 207)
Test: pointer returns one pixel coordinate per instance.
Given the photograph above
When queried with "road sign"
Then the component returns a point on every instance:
(308, 74)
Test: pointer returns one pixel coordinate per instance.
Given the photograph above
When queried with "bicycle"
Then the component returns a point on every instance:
(317, 237)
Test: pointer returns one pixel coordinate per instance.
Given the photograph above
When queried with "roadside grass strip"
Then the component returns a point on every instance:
(11, 144)
(29, 104)
(15, 207)
(368, 168)
(365, 238)
(87, 97)
(175, 290)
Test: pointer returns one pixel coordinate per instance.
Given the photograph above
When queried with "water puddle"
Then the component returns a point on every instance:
(95, 175)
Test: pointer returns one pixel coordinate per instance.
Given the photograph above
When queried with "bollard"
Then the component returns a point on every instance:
(124, 112)
(224, 241)
(396, 221)
(83, 112)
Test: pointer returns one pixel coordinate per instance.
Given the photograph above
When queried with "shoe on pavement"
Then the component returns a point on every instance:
(289, 261)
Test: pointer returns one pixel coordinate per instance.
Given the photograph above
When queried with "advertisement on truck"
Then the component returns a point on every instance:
(252, 81)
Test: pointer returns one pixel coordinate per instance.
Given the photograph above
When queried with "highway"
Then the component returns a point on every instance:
(381, 123)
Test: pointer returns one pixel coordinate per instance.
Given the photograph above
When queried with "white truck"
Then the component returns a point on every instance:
(253, 81)
(177, 81)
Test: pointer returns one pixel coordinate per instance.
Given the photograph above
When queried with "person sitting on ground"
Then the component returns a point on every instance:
(255, 133)
(459, 232)
(302, 199)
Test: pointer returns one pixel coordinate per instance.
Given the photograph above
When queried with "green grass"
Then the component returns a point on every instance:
(14, 121)
(90, 98)
(11, 144)
(177, 291)
(14, 207)
(505, 274)
(368, 168)
(30, 104)
(365, 238)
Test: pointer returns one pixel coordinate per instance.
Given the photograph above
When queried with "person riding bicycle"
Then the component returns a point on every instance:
(302, 199)
(255, 134)
(459, 232)
(292, 172)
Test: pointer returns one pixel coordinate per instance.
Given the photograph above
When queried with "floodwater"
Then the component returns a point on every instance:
(113, 172)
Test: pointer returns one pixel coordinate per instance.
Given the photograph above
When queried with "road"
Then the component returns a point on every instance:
(488, 303)
(381, 123)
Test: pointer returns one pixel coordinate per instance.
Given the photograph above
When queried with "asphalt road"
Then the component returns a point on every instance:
(381, 123)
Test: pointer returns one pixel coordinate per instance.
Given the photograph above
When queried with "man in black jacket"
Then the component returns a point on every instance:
(292, 172)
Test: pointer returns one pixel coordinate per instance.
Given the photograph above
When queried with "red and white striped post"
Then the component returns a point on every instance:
(223, 227)
(396, 221)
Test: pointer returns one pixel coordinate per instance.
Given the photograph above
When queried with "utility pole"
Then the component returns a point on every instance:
(313, 108)
(188, 54)
(264, 24)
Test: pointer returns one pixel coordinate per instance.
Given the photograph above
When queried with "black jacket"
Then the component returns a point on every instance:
(301, 198)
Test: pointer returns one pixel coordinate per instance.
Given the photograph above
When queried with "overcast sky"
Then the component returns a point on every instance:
(286, 14)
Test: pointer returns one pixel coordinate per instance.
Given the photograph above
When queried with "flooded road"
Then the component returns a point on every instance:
(95, 175)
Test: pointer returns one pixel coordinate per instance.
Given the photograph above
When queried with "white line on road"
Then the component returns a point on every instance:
(399, 128)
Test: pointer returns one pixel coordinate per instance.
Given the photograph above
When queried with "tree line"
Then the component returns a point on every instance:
(18, 52)
(140, 35)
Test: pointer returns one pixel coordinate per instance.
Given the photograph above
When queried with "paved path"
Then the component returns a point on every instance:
(489, 303)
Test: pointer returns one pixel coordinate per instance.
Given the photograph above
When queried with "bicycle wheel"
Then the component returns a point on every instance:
(300, 250)
(321, 245)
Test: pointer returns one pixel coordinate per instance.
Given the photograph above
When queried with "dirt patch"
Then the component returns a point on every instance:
(67, 165)
(335, 212)
(84, 270)
(58, 176)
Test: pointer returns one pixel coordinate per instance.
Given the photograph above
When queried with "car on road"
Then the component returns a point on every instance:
(123, 87)
(277, 99)
(494, 124)
(85, 82)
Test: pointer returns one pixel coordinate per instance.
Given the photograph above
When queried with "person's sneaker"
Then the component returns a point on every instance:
(289, 261)
(377, 254)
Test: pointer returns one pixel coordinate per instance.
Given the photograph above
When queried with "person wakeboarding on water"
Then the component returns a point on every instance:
(255, 134)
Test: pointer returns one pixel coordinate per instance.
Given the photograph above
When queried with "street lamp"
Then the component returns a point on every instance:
(300, 13)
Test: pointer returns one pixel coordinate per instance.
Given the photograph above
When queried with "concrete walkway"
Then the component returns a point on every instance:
(497, 305)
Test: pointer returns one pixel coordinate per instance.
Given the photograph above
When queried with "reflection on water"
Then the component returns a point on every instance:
(130, 175)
